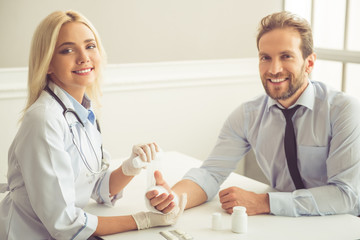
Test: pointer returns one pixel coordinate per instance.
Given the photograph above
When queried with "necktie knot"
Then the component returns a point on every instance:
(289, 113)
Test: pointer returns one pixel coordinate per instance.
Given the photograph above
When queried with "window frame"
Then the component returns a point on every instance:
(343, 56)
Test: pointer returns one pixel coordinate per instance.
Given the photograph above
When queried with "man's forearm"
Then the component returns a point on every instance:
(195, 194)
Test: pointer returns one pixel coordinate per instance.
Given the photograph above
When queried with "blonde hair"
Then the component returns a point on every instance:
(286, 19)
(43, 47)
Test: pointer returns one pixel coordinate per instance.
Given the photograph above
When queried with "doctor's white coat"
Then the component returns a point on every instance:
(47, 181)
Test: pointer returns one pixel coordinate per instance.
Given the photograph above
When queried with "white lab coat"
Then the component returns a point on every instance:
(48, 182)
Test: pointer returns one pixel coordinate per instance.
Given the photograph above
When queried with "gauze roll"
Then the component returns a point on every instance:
(151, 167)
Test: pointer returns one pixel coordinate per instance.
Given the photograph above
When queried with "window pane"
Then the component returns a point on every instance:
(301, 8)
(354, 26)
(329, 23)
(352, 79)
(329, 72)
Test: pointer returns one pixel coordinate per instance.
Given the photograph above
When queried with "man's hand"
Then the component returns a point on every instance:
(254, 203)
(146, 220)
(164, 202)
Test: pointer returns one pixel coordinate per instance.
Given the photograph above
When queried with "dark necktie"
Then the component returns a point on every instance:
(290, 147)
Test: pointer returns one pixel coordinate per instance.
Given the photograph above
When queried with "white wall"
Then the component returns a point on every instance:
(168, 96)
(180, 105)
(144, 30)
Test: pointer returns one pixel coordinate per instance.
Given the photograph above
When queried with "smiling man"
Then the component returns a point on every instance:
(305, 136)
(283, 68)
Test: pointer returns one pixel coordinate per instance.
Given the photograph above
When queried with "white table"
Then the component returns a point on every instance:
(197, 221)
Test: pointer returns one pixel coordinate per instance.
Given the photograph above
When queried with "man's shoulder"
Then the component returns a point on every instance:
(253, 106)
(256, 103)
(332, 96)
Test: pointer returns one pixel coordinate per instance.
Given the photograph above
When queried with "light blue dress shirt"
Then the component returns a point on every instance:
(327, 128)
(83, 110)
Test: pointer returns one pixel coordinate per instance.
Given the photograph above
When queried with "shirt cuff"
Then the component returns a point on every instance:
(282, 204)
(105, 191)
(202, 178)
(91, 222)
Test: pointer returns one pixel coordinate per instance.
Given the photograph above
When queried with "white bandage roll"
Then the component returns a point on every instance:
(160, 190)
(138, 163)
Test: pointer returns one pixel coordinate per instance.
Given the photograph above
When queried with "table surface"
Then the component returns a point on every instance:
(197, 221)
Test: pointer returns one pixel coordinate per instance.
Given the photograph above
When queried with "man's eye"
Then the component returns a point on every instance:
(286, 56)
(264, 58)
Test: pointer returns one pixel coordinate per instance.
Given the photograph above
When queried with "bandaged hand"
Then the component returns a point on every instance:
(146, 220)
(146, 152)
(160, 190)
(160, 198)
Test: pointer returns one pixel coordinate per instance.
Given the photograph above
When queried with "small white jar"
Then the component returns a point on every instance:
(239, 220)
(216, 221)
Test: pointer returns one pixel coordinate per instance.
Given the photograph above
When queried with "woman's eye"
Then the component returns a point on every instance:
(91, 46)
(65, 51)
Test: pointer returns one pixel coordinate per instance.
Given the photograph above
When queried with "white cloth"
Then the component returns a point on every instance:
(48, 182)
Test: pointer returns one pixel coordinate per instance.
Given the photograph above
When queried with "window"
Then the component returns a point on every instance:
(335, 25)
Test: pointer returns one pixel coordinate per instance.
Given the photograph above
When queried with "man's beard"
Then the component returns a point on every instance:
(295, 83)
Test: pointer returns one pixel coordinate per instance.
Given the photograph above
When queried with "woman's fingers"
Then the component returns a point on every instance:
(146, 152)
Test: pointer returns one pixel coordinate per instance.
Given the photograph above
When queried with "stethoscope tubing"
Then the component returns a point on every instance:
(102, 166)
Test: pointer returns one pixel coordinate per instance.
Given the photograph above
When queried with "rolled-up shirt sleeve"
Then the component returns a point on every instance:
(230, 148)
(314, 202)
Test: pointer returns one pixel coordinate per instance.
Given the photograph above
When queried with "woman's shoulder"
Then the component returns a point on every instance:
(44, 109)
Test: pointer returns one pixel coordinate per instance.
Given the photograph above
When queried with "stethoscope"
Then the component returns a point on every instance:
(102, 164)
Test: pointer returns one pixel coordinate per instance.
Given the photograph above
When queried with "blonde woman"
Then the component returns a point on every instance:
(56, 161)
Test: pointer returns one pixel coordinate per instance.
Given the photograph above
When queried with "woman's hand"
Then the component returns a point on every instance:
(145, 152)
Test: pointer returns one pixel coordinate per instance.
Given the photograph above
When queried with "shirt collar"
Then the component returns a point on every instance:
(84, 110)
(306, 99)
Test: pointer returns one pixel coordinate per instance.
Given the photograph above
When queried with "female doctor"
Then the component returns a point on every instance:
(56, 162)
